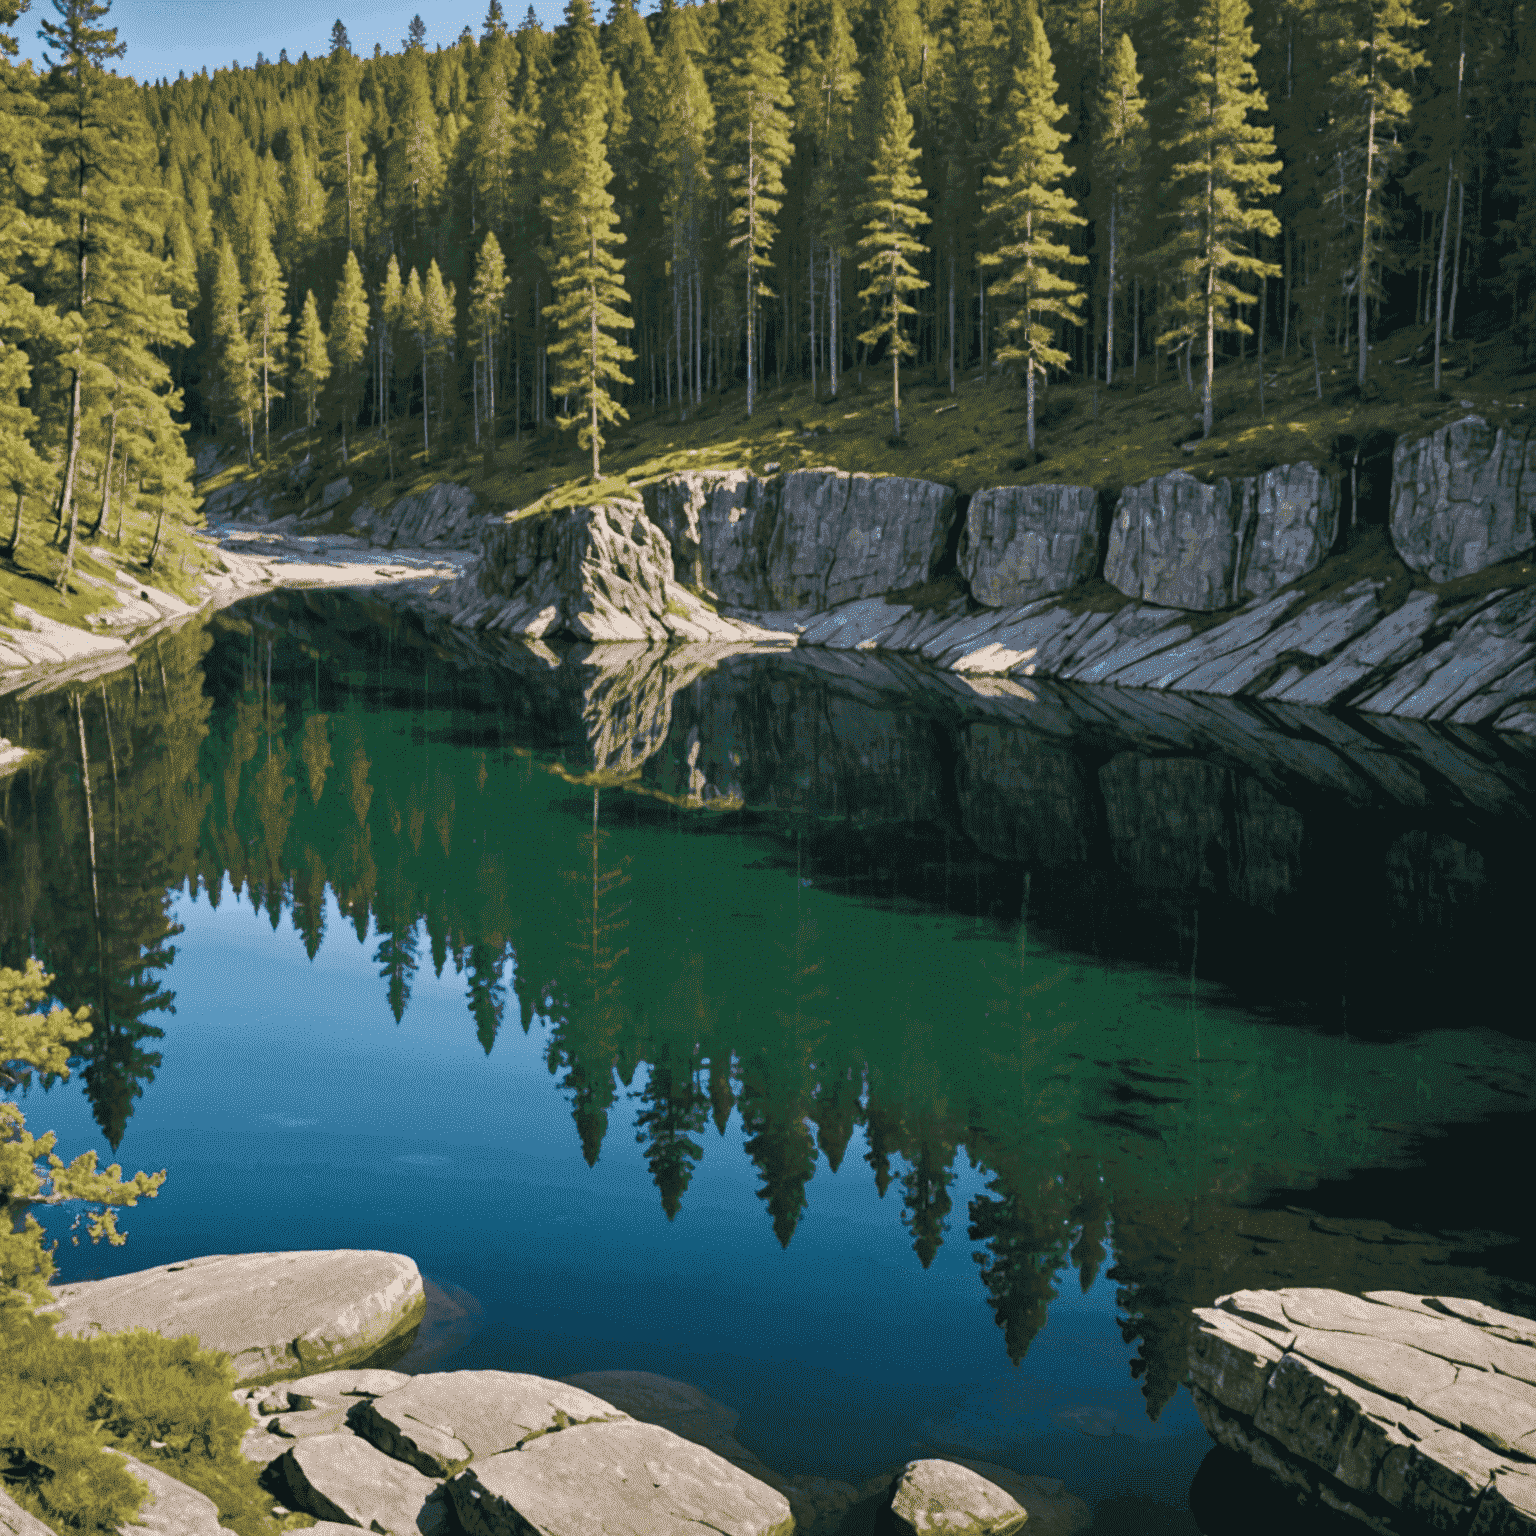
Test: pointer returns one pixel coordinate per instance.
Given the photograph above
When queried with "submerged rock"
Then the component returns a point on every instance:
(1181, 543)
(942, 1498)
(1463, 498)
(274, 1314)
(1412, 1413)
(623, 1479)
(1025, 541)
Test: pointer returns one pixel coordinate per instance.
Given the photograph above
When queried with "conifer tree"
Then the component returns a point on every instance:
(687, 124)
(890, 217)
(349, 345)
(235, 388)
(1371, 55)
(755, 148)
(311, 363)
(416, 157)
(1222, 178)
(1120, 137)
(487, 316)
(413, 323)
(268, 324)
(1028, 206)
(342, 143)
(586, 272)
(436, 328)
(391, 327)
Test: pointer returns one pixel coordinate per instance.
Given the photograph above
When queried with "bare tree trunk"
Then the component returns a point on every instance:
(1461, 203)
(67, 484)
(951, 320)
(15, 543)
(810, 268)
(154, 549)
(1285, 323)
(1263, 322)
(1136, 331)
(1365, 235)
(1317, 369)
(1109, 298)
(106, 477)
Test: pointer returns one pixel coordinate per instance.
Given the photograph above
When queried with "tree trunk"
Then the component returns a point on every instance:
(15, 544)
(154, 549)
(67, 484)
(1029, 399)
(1109, 298)
(1450, 317)
(1365, 233)
(106, 478)
(1263, 321)
(951, 320)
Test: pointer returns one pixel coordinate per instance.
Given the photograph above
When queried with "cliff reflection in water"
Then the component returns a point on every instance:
(1155, 964)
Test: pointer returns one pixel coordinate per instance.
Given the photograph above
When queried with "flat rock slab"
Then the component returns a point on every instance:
(1415, 1413)
(942, 1498)
(275, 1314)
(172, 1508)
(616, 1479)
(343, 1478)
(437, 1422)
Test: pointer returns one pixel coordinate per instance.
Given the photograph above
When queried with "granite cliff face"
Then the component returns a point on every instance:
(1026, 541)
(1464, 498)
(1180, 543)
(811, 538)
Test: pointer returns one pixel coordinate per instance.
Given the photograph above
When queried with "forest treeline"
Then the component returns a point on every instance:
(530, 227)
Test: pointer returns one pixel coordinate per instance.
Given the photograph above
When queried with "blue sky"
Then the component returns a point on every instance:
(167, 36)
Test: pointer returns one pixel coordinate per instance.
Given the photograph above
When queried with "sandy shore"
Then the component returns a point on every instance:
(256, 559)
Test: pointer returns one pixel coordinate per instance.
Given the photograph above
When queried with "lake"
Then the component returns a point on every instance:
(898, 1059)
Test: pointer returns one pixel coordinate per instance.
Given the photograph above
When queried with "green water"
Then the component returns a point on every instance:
(900, 1064)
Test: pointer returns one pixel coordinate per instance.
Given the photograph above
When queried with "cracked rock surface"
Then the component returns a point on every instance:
(1412, 1413)
(1026, 541)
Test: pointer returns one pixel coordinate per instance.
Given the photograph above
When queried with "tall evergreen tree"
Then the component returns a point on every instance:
(890, 217)
(586, 272)
(311, 363)
(755, 148)
(235, 391)
(349, 345)
(1222, 178)
(342, 141)
(1372, 56)
(487, 319)
(1028, 207)
(268, 322)
(436, 333)
(1120, 136)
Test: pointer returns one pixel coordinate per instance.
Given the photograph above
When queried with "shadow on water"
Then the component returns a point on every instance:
(1212, 995)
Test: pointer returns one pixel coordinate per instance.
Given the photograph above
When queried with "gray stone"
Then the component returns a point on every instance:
(441, 1420)
(274, 1314)
(810, 538)
(1463, 498)
(16, 1521)
(1025, 541)
(171, 1508)
(310, 1421)
(343, 1478)
(617, 1479)
(1183, 544)
(337, 490)
(330, 1387)
(1052, 1510)
(934, 1498)
(1416, 1413)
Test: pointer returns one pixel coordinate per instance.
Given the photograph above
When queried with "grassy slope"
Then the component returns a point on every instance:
(973, 439)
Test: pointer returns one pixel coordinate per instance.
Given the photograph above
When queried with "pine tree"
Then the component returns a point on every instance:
(416, 160)
(235, 390)
(890, 216)
(311, 362)
(342, 143)
(413, 323)
(687, 124)
(1120, 137)
(436, 328)
(755, 148)
(586, 273)
(1028, 206)
(391, 326)
(1370, 109)
(268, 324)
(487, 317)
(1222, 174)
(349, 345)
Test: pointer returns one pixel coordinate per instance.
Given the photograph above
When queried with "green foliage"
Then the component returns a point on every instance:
(311, 358)
(349, 345)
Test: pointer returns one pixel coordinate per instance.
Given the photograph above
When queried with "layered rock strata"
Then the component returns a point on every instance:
(1181, 543)
(274, 1314)
(1023, 542)
(1464, 498)
(1410, 1413)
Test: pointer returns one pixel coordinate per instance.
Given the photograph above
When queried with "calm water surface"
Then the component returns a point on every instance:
(897, 1060)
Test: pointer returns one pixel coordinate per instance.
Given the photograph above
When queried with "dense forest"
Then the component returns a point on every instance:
(532, 228)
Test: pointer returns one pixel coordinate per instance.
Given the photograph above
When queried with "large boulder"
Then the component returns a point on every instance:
(342, 1478)
(1463, 498)
(275, 1314)
(1414, 1413)
(809, 538)
(620, 1479)
(439, 1421)
(1181, 543)
(591, 573)
(942, 1498)
(1026, 541)
(171, 1508)
(442, 514)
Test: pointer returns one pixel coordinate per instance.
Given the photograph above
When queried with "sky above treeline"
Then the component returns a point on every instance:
(165, 37)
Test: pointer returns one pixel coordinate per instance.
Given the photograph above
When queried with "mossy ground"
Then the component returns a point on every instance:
(1104, 437)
